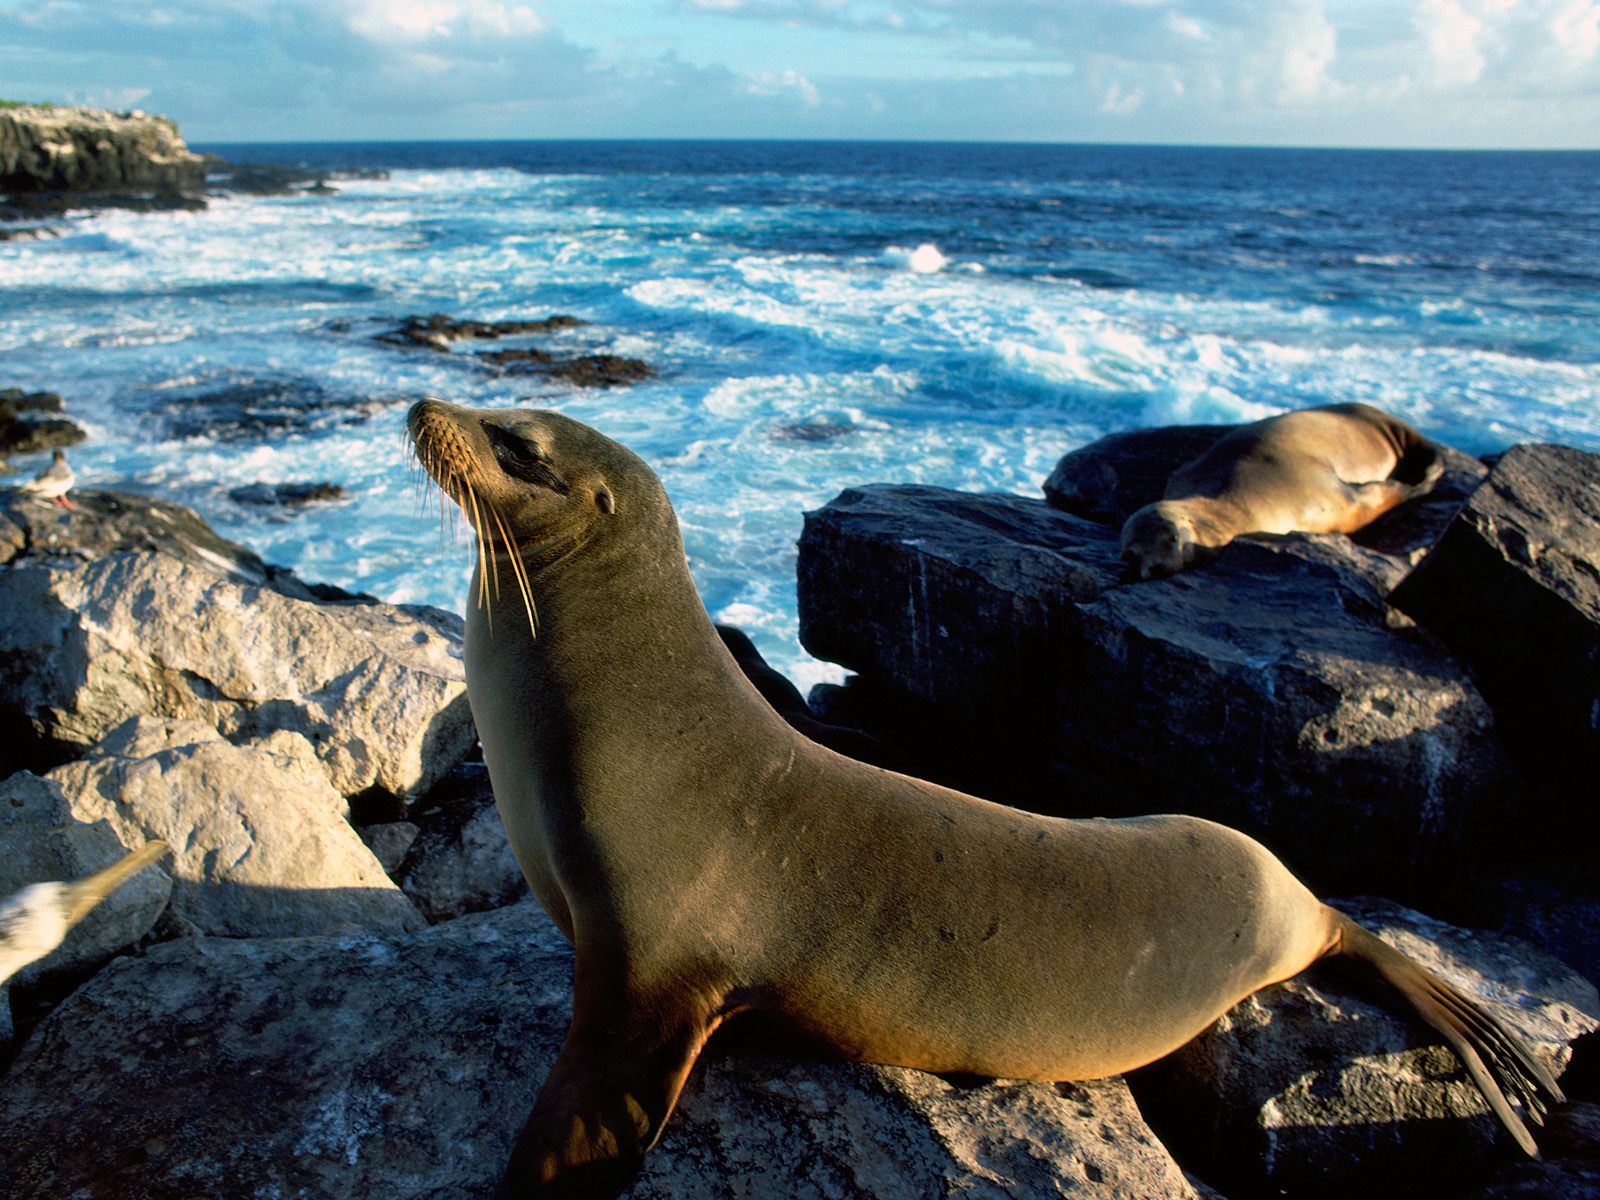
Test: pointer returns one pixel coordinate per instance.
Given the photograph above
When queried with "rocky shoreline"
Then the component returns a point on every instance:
(338, 986)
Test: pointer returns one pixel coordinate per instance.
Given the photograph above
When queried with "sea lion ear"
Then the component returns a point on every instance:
(604, 500)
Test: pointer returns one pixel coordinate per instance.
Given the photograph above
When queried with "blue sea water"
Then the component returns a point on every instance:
(820, 315)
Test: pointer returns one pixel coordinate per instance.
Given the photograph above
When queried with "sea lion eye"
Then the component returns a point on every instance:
(519, 458)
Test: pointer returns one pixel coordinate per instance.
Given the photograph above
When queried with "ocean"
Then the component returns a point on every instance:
(818, 316)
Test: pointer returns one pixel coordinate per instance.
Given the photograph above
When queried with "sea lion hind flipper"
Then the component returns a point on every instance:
(1496, 1058)
(603, 1106)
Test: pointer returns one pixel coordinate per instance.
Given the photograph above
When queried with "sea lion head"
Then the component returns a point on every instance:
(535, 486)
(1158, 540)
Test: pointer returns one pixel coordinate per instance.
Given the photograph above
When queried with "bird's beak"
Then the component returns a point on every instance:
(86, 893)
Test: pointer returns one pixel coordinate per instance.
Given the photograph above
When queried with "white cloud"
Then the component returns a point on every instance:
(1451, 34)
(777, 83)
(437, 20)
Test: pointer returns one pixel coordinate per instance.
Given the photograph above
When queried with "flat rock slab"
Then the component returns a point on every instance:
(1514, 588)
(1000, 649)
(1315, 1088)
(389, 1068)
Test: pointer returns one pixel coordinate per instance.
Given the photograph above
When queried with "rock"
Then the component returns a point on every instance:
(437, 331)
(252, 409)
(1514, 588)
(106, 523)
(286, 495)
(460, 861)
(45, 148)
(1556, 908)
(601, 370)
(1108, 480)
(1000, 651)
(526, 358)
(27, 233)
(44, 840)
(23, 433)
(1309, 1089)
(378, 690)
(389, 842)
(260, 846)
(397, 1067)
(1568, 1169)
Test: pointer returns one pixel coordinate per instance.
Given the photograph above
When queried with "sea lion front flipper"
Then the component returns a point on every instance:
(604, 1104)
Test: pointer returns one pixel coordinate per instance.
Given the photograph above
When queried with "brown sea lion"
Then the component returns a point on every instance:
(707, 860)
(1320, 470)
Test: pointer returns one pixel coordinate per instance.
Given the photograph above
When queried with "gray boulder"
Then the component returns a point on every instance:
(199, 629)
(1568, 1167)
(385, 1068)
(44, 841)
(1514, 588)
(460, 860)
(1311, 1089)
(1272, 690)
(260, 846)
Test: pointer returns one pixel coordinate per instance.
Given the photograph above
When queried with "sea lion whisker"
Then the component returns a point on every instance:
(514, 554)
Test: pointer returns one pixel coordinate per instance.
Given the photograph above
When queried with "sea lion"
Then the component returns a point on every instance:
(706, 860)
(1320, 470)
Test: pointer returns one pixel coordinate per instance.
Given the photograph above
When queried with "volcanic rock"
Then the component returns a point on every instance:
(1514, 588)
(1311, 1089)
(402, 1066)
(45, 148)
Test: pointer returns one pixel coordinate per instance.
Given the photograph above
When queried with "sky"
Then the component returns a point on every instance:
(1406, 73)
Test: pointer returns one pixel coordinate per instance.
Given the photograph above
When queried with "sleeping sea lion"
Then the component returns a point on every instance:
(1319, 470)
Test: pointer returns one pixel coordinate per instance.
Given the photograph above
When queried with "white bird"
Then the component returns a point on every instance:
(38, 918)
(54, 482)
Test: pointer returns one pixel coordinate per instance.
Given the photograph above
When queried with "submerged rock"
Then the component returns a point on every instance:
(250, 409)
(286, 495)
(437, 330)
(1311, 1089)
(403, 1066)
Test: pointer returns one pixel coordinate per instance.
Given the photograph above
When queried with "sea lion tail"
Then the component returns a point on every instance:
(1497, 1059)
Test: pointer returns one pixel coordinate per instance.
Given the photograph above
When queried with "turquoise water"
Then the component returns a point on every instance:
(820, 316)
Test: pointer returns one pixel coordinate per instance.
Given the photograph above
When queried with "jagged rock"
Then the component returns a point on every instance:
(600, 370)
(1109, 479)
(999, 649)
(1311, 1089)
(45, 148)
(207, 632)
(461, 861)
(44, 840)
(260, 846)
(396, 1067)
(1514, 588)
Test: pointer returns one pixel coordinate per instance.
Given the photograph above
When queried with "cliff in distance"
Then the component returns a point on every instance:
(44, 148)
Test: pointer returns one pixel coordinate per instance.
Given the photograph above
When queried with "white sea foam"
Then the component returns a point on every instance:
(926, 259)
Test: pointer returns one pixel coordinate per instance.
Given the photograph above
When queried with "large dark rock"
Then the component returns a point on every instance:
(1322, 1087)
(1514, 588)
(44, 148)
(251, 408)
(1109, 479)
(1271, 690)
(22, 428)
(401, 1067)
